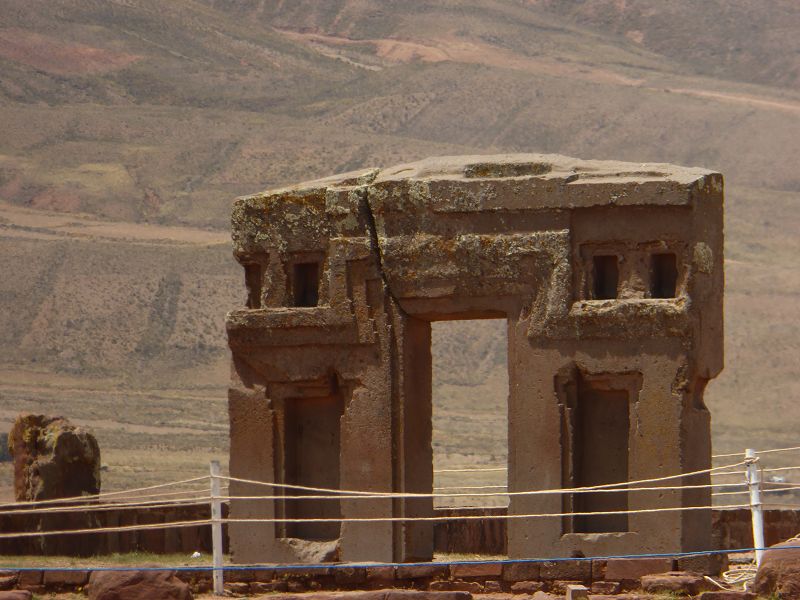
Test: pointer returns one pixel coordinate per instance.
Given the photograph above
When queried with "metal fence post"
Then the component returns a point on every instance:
(753, 478)
(216, 530)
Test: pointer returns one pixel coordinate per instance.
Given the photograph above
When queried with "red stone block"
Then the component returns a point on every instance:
(572, 570)
(619, 569)
(521, 571)
(477, 570)
(66, 578)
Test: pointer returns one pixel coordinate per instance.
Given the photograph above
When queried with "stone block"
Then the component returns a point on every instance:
(237, 587)
(675, 582)
(727, 595)
(527, 587)
(264, 587)
(16, 595)
(571, 570)
(431, 571)
(605, 587)
(492, 587)
(7, 582)
(599, 569)
(521, 571)
(381, 575)
(26, 578)
(476, 570)
(473, 587)
(560, 587)
(577, 592)
(421, 595)
(63, 579)
(619, 569)
(350, 576)
(712, 564)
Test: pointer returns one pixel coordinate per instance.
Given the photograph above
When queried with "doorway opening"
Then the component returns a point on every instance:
(470, 412)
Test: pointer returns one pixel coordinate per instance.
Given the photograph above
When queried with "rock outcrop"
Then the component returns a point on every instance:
(53, 459)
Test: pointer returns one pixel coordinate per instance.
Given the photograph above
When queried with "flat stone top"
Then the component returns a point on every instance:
(540, 166)
(521, 181)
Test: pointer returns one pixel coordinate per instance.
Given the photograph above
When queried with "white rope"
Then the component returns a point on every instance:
(390, 495)
(108, 507)
(471, 470)
(94, 497)
(488, 517)
(170, 525)
(616, 486)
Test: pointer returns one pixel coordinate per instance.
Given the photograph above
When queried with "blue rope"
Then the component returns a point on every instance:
(336, 566)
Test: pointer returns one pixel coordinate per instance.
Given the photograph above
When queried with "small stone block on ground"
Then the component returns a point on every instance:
(577, 592)
(619, 569)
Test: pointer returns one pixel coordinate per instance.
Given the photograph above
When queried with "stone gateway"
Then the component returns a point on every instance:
(610, 278)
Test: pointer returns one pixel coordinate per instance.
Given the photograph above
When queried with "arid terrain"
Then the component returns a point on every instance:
(128, 126)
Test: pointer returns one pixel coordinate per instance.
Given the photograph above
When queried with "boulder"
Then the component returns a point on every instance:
(53, 459)
(137, 585)
(779, 572)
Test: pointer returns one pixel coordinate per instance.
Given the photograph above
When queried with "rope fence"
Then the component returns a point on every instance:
(188, 492)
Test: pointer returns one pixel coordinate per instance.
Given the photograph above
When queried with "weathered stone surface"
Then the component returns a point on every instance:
(618, 569)
(577, 592)
(476, 570)
(492, 587)
(350, 575)
(65, 578)
(610, 276)
(26, 578)
(472, 587)
(605, 587)
(727, 595)
(7, 582)
(237, 588)
(421, 571)
(137, 585)
(387, 594)
(16, 595)
(779, 572)
(527, 587)
(53, 459)
(522, 571)
(711, 564)
(566, 570)
(677, 582)
(260, 587)
(380, 575)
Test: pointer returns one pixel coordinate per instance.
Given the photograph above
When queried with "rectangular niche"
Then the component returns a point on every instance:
(663, 275)
(605, 277)
(311, 458)
(596, 430)
(305, 284)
